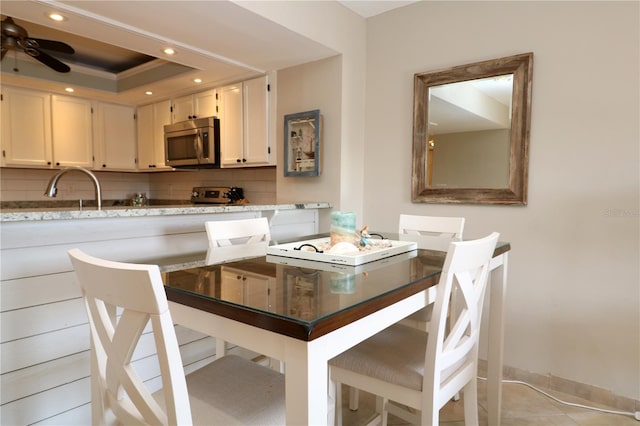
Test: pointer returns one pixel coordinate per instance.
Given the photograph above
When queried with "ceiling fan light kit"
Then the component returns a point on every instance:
(14, 36)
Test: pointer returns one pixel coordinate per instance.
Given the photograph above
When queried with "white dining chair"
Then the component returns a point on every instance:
(121, 300)
(429, 232)
(232, 240)
(424, 371)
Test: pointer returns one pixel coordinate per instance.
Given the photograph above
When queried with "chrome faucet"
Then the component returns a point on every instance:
(52, 190)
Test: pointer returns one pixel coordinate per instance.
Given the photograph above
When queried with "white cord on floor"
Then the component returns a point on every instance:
(635, 415)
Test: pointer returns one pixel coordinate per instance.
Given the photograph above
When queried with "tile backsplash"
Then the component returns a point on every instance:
(259, 184)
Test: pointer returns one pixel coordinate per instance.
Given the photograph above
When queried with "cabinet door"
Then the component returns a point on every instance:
(161, 117)
(151, 121)
(230, 113)
(258, 292)
(183, 108)
(144, 123)
(26, 128)
(116, 137)
(72, 131)
(256, 130)
(204, 104)
(232, 285)
(239, 286)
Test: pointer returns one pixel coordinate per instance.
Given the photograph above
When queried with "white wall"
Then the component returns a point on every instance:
(340, 29)
(574, 283)
(304, 88)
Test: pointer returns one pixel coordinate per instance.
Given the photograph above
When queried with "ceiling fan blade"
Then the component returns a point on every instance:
(47, 59)
(57, 46)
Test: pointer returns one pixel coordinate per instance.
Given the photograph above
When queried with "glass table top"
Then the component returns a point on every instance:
(298, 295)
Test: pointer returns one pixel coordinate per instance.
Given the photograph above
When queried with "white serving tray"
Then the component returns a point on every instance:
(345, 269)
(287, 250)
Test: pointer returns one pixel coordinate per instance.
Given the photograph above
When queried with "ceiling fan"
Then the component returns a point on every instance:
(14, 36)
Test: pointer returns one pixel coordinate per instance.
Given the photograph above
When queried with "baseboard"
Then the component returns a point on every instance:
(581, 390)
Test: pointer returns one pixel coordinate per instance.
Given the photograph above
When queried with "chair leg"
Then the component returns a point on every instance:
(385, 411)
(338, 404)
(354, 395)
(471, 402)
(334, 397)
(221, 348)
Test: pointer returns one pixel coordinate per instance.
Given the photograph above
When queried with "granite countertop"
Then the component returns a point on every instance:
(115, 211)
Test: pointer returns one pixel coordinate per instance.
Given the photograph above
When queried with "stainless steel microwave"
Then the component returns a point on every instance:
(193, 143)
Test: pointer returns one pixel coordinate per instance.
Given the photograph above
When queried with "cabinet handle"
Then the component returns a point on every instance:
(244, 160)
(48, 163)
(238, 160)
(57, 164)
(104, 165)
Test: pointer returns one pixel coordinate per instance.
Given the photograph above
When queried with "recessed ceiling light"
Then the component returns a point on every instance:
(169, 51)
(69, 89)
(197, 80)
(148, 92)
(56, 17)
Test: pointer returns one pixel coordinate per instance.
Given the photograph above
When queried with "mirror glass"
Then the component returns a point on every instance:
(471, 127)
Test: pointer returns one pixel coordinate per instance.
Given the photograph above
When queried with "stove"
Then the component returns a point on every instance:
(216, 195)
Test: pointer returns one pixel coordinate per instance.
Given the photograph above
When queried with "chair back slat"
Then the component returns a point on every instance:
(237, 239)
(241, 231)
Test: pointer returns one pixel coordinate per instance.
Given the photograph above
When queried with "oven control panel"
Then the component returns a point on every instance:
(216, 195)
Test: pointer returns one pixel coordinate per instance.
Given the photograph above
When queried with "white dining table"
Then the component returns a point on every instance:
(334, 318)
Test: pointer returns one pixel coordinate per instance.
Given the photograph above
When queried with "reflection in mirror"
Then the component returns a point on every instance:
(471, 126)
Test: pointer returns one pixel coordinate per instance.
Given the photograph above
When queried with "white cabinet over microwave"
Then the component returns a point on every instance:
(197, 105)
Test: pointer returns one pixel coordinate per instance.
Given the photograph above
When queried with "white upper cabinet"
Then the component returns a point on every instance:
(256, 122)
(115, 137)
(198, 105)
(151, 121)
(72, 127)
(230, 114)
(204, 104)
(243, 109)
(26, 128)
(43, 130)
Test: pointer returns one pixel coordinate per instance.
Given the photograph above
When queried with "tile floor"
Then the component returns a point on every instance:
(521, 406)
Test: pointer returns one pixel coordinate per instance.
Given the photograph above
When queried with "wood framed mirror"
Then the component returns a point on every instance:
(471, 132)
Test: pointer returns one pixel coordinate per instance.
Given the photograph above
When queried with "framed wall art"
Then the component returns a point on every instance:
(302, 133)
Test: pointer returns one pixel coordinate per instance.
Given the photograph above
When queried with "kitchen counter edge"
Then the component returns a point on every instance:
(18, 215)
